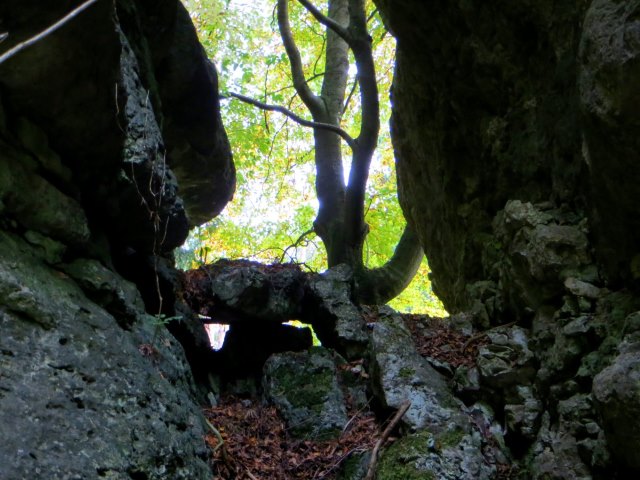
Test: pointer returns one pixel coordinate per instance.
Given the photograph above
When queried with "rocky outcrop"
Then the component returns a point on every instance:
(259, 297)
(111, 146)
(515, 126)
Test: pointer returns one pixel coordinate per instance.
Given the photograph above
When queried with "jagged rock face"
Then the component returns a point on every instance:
(528, 101)
(516, 131)
(121, 95)
(110, 148)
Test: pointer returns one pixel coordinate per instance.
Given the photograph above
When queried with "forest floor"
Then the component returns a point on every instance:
(255, 441)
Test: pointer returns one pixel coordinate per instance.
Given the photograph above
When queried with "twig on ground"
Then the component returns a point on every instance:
(27, 43)
(220, 445)
(385, 435)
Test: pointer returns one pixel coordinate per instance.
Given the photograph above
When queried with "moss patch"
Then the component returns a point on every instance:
(398, 462)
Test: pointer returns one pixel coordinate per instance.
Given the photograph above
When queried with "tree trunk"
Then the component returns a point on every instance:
(340, 221)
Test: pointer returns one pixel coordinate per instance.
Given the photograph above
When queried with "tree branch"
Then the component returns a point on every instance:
(313, 103)
(385, 435)
(27, 43)
(326, 21)
(296, 118)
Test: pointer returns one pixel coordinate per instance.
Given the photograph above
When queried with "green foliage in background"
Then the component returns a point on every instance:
(275, 202)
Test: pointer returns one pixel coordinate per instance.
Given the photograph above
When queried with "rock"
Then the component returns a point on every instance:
(355, 466)
(243, 291)
(37, 204)
(616, 391)
(554, 455)
(398, 373)
(449, 455)
(522, 417)
(108, 289)
(304, 388)
(451, 124)
(89, 398)
(335, 319)
(92, 144)
(581, 289)
(466, 383)
(138, 71)
(608, 58)
(506, 360)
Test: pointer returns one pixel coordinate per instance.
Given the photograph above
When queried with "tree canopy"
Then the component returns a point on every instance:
(272, 215)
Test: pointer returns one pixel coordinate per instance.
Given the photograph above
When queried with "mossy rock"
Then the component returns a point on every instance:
(304, 388)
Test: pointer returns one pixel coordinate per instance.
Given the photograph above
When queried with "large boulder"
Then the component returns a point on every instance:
(304, 388)
(530, 102)
(93, 393)
(617, 393)
(99, 123)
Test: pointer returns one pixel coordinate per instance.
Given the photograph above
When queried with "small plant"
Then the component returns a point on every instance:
(161, 320)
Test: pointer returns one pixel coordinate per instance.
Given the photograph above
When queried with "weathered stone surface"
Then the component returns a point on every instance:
(106, 288)
(89, 127)
(522, 417)
(398, 373)
(243, 291)
(88, 400)
(554, 455)
(38, 204)
(609, 66)
(617, 393)
(304, 388)
(336, 320)
(506, 360)
(448, 456)
(132, 79)
(484, 112)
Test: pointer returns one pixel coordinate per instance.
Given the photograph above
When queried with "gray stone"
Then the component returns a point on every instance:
(88, 398)
(398, 373)
(581, 289)
(522, 417)
(555, 456)
(336, 320)
(108, 289)
(608, 68)
(304, 388)
(506, 360)
(616, 391)
(450, 455)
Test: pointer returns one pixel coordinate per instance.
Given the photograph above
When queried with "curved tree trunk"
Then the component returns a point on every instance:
(340, 221)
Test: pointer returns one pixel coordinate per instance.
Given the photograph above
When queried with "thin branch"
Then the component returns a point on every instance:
(350, 96)
(326, 21)
(3, 36)
(313, 103)
(27, 43)
(304, 122)
(295, 244)
(387, 431)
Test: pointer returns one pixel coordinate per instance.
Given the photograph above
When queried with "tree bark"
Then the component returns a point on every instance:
(340, 220)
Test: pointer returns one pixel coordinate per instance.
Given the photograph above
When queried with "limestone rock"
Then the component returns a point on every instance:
(89, 398)
(448, 456)
(555, 456)
(507, 359)
(609, 54)
(398, 373)
(616, 391)
(304, 388)
(522, 417)
(337, 321)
